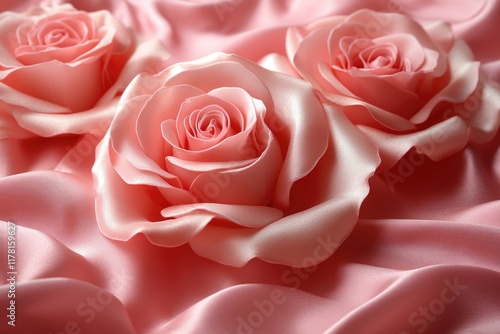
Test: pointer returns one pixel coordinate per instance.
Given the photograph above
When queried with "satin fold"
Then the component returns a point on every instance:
(417, 249)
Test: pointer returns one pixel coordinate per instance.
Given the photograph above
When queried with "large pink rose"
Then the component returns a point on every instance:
(61, 68)
(238, 161)
(404, 84)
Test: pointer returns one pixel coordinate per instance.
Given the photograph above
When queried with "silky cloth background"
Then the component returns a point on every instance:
(438, 227)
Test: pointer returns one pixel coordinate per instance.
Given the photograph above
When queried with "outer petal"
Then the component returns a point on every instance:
(123, 210)
(94, 121)
(37, 81)
(278, 63)
(441, 34)
(295, 35)
(484, 110)
(298, 114)
(464, 72)
(130, 161)
(437, 142)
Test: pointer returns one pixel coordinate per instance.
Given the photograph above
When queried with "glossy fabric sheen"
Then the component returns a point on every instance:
(423, 257)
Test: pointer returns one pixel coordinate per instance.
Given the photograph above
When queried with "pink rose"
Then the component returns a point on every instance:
(238, 161)
(404, 84)
(61, 68)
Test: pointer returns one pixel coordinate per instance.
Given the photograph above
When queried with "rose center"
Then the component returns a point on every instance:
(210, 125)
(55, 36)
(367, 55)
(379, 56)
(207, 126)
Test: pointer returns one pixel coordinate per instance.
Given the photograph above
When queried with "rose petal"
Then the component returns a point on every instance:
(295, 35)
(278, 63)
(8, 24)
(308, 63)
(381, 24)
(442, 34)
(124, 210)
(291, 120)
(33, 55)
(9, 127)
(94, 121)
(351, 107)
(437, 142)
(379, 92)
(66, 90)
(173, 194)
(188, 171)
(243, 215)
(15, 98)
(257, 179)
(462, 83)
(137, 166)
(207, 127)
(164, 104)
(237, 147)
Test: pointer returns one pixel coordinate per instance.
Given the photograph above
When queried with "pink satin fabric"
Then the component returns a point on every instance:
(422, 258)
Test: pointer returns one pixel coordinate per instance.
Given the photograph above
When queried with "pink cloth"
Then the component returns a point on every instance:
(423, 257)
